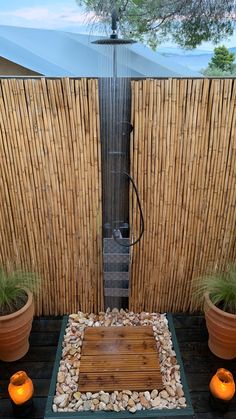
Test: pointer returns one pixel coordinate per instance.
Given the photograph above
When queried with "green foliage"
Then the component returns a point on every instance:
(221, 286)
(216, 72)
(221, 64)
(12, 288)
(222, 59)
(186, 22)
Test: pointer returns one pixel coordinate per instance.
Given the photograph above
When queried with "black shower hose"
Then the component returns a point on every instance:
(141, 216)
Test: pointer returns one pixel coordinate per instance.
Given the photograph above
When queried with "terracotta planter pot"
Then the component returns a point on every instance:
(14, 331)
(222, 330)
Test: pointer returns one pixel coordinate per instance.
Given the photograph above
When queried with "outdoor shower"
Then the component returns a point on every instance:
(115, 115)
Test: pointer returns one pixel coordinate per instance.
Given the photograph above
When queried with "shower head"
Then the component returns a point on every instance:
(113, 40)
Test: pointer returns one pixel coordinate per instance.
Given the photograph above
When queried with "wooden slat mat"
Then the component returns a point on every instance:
(119, 358)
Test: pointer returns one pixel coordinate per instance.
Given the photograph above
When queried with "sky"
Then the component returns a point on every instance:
(61, 15)
(47, 14)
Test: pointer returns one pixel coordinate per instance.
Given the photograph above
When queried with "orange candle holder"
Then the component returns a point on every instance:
(222, 389)
(21, 391)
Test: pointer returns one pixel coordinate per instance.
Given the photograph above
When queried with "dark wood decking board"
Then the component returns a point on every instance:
(198, 361)
(106, 363)
(117, 358)
(121, 380)
(122, 333)
(117, 346)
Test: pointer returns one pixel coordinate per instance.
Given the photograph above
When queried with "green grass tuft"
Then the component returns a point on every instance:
(12, 288)
(221, 287)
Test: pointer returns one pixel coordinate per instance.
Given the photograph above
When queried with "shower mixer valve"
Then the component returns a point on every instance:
(117, 233)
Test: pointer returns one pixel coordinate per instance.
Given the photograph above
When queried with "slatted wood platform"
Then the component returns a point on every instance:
(119, 358)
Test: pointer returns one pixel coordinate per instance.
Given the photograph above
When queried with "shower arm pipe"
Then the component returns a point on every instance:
(114, 19)
(114, 36)
(141, 216)
(114, 70)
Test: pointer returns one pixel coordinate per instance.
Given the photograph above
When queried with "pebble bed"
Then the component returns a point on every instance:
(69, 399)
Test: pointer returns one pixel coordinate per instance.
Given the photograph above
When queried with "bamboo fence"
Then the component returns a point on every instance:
(183, 158)
(50, 189)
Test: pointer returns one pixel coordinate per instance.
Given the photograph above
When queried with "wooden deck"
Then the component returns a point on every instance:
(119, 358)
(199, 365)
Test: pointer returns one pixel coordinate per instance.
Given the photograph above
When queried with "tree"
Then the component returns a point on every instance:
(188, 23)
(222, 59)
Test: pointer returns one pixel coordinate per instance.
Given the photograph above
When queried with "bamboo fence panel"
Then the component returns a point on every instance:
(50, 189)
(183, 155)
(182, 158)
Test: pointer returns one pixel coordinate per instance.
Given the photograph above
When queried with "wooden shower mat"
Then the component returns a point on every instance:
(119, 358)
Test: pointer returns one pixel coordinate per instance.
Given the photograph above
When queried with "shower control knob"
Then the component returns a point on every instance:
(117, 233)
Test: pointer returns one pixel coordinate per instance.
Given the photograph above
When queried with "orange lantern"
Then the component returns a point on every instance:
(222, 385)
(20, 388)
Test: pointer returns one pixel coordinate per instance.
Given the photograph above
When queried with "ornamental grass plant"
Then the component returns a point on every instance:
(13, 287)
(221, 286)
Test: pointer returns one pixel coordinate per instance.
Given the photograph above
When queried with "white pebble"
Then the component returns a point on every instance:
(102, 406)
(133, 409)
(105, 398)
(163, 394)
(54, 408)
(156, 402)
(154, 393)
(182, 401)
(147, 395)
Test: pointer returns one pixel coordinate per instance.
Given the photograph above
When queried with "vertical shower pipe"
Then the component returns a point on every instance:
(115, 145)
